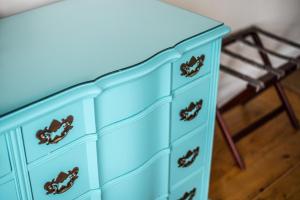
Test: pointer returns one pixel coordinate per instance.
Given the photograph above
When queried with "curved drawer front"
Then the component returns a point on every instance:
(4, 157)
(191, 189)
(66, 176)
(58, 128)
(131, 97)
(192, 65)
(8, 191)
(129, 145)
(188, 155)
(190, 107)
(148, 182)
(92, 195)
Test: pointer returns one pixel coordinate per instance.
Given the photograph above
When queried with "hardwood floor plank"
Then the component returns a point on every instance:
(264, 167)
(286, 187)
(293, 82)
(269, 152)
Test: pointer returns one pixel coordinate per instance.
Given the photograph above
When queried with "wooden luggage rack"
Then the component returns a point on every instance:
(256, 85)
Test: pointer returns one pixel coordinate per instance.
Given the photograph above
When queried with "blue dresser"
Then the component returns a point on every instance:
(111, 100)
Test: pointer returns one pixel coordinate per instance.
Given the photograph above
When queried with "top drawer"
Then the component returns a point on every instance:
(58, 128)
(4, 158)
(192, 65)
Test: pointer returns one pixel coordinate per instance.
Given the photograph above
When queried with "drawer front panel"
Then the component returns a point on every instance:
(131, 97)
(92, 195)
(190, 108)
(188, 155)
(131, 144)
(192, 65)
(147, 183)
(8, 191)
(66, 176)
(4, 157)
(58, 128)
(191, 189)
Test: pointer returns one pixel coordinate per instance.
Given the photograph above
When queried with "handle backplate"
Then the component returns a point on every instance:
(189, 113)
(193, 66)
(189, 195)
(62, 183)
(189, 158)
(45, 136)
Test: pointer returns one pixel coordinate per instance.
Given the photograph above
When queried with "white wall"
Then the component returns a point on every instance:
(277, 15)
(281, 17)
(10, 7)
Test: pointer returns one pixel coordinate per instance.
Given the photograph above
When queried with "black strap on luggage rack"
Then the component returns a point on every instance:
(257, 85)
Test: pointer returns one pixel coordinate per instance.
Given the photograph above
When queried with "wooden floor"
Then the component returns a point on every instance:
(271, 153)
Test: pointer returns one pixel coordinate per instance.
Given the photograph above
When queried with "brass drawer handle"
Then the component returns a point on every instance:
(190, 112)
(192, 67)
(62, 183)
(188, 159)
(45, 136)
(189, 195)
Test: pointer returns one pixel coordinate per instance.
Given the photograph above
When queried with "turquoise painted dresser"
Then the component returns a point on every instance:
(111, 100)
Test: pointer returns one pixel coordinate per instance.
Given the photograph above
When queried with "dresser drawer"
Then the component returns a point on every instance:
(8, 191)
(58, 128)
(191, 189)
(128, 145)
(147, 183)
(66, 176)
(92, 195)
(190, 107)
(188, 155)
(126, 99)
(192, 65)
(4, 157)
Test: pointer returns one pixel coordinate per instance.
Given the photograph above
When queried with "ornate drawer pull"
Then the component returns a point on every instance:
(190, 112)
(44, 136)
(192, 67)
(189, 195)
(188, 159)
(62, 183)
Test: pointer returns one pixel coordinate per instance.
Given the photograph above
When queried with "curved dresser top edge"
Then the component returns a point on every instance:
(95, 87)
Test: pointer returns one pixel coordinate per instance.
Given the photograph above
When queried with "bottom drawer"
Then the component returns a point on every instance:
(67, 175)
(149, 182)
(8, 191)
(191, 189)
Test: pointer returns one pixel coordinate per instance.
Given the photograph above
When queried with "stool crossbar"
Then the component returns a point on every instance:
(256, 85)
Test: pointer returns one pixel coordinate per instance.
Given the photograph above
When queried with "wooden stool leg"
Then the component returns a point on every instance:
(229, 141)
(286, 104)
(278, 86)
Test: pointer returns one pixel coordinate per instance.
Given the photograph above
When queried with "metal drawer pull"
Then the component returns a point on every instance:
(62, 183)
(188, 159)
(45, 136)
(192, 67)
(189, 195)
(190, 112)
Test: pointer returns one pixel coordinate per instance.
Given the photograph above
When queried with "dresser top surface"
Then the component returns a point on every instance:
(51, 48)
